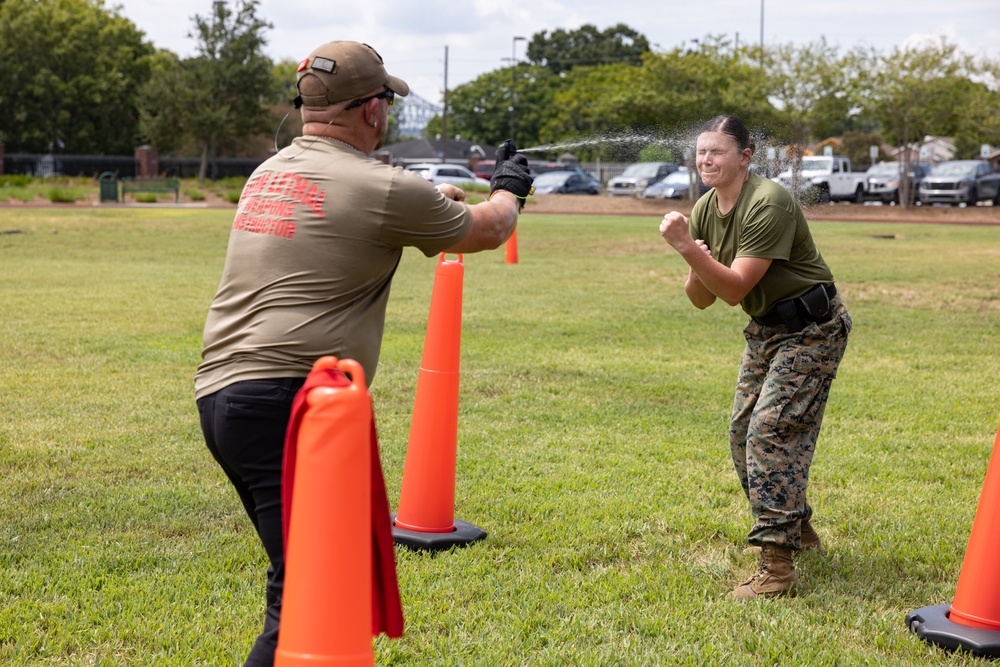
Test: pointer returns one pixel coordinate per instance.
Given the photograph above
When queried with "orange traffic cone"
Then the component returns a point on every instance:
(972, 621)
(510, 250)
(326, 614)
(425, 519)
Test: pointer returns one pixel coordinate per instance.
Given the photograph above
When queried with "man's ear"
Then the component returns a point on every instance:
(370, 112)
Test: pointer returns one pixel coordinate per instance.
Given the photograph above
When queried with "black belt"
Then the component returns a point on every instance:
(779, 313)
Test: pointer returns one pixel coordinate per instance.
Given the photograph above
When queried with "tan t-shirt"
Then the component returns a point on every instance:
(766, 222)
(316, 239)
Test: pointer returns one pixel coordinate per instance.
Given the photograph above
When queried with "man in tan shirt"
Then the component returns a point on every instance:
(318, 234)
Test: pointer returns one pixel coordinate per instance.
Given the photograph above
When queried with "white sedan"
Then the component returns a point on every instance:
(442, 172)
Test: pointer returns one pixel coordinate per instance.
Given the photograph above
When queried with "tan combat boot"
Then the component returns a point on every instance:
(810, 539)
(775, 575)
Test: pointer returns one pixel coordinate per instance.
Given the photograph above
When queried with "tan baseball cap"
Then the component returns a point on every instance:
(348, 70)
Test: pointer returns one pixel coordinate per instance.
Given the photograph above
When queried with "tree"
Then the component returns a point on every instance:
(562, 50)
(71, 70)
(684, 88)
(536, 90)
(217, 97)
(662, 101)
(480, 109)
(815, 88)
(584, 110)
(232, 76)
(165, 102)
(789, 95)
(286, 120)
(917, 91)
(977, 121)
(483, 107)
(856, 146)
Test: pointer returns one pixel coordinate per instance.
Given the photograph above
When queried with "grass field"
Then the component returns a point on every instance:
(592, 448)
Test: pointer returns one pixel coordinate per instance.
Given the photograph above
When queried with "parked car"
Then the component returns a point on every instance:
(442, 172)
(566, 182)
(536, 170)
(543, 167)
(485, 168)
(675, 185)
(960, 181)
(636, 177)
(885, 180)
(824, 178)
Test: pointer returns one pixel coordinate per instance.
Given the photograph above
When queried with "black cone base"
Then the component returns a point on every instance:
(463, 535)
(933, 625)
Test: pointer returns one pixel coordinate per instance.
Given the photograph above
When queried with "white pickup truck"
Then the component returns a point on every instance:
(825, 178)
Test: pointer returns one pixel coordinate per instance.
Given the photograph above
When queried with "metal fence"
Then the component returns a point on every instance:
(123, 166)
(92, 166)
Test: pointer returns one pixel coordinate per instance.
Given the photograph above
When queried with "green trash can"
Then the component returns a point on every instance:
(108, 187)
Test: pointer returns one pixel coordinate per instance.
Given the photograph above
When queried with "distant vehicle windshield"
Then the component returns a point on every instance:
(552, 178)
(954, 169)
(641, 170)
(678, 179)
(817, 164)
(885, 169)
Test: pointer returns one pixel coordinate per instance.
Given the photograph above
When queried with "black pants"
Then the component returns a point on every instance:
(244, 426)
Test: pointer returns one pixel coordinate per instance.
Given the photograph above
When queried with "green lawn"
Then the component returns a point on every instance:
(592, 448)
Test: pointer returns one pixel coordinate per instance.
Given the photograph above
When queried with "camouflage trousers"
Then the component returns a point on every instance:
(781, 394)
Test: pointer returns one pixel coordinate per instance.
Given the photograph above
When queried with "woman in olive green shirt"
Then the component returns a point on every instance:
(747, 242)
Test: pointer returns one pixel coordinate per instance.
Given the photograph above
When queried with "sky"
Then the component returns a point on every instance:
(436, 45)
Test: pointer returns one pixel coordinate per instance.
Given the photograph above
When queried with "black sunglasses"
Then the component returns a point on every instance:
(388, 95)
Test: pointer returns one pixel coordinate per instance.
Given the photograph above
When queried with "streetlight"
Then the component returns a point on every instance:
(513, 80)
(762, 26)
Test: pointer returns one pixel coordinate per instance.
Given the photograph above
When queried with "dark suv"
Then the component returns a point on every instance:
(960, 182)
(636, 177)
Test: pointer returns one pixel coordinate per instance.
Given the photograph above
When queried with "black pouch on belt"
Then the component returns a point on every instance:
(816, 304)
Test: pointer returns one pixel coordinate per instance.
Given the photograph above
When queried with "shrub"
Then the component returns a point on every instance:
(58, 194)
(15, 181)
(232, 182)
(18, 193)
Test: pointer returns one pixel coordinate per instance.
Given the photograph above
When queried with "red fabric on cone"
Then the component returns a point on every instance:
(387, 609)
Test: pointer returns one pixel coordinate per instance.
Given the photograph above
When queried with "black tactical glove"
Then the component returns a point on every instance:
(511, 173)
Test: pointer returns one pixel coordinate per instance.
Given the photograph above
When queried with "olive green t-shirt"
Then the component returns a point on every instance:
(766, 223)
(317, 236)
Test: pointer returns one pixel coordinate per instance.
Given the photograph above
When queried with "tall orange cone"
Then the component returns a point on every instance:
(425, 519)
(972, 621)
(510, 249)
(326, 608)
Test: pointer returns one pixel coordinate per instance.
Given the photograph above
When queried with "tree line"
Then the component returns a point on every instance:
(611, 86)
(79, 78)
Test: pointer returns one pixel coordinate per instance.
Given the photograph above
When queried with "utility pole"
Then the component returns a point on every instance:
(762, 33)
(444, 112)
(513, 82)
